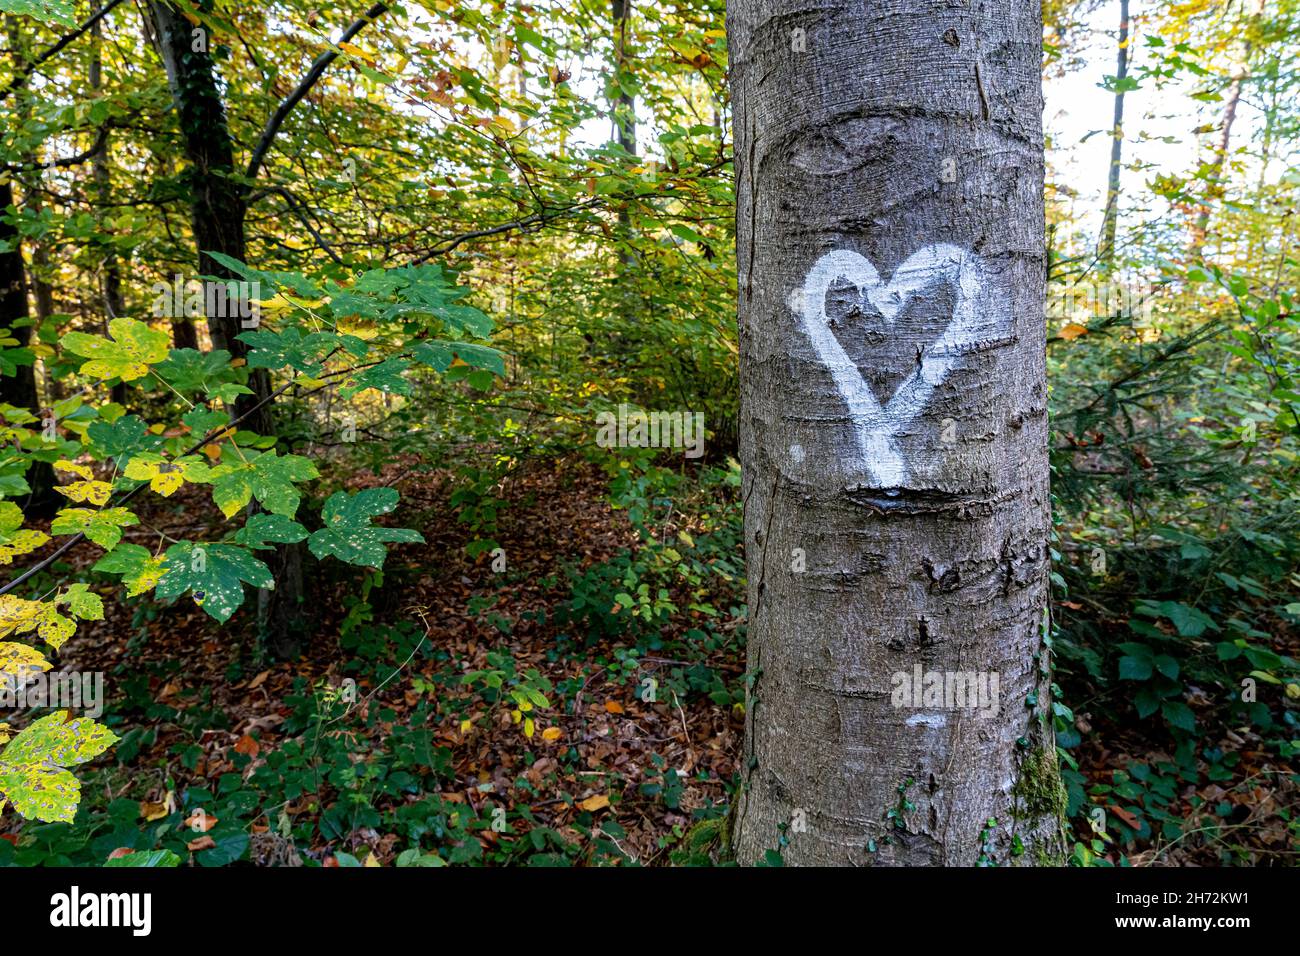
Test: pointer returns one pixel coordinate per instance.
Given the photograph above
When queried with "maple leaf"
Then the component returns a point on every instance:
(14, 540)
(133, 348)
(33, 774)
(139, 569)
(104, 527)
(88, 489)
(214, 574)
(268, 477)
(166, 476)
(348, 533)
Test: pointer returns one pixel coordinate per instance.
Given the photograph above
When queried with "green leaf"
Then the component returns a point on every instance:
(262, 528)
(289, 349)
(83, 602)
(190, 371)
(57, 11)
(104, 527)
(140, 570)
(439, 355)
(268, 477)
(387, 376)
(1187, 620)
(32, 774)
(128, 355)
(213, 574)
(348, 534)
(125, 435)
(1178, 715)
(150, 858)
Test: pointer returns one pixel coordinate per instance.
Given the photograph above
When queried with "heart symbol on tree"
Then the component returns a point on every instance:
(974, 320)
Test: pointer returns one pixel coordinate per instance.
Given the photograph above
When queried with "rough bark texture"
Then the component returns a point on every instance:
(893, 520)
(217, 202)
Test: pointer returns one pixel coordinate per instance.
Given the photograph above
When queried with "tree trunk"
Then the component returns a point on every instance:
(893, 432)
(111, 279)
(20, 388)
(1216, 179)
(623, 111)
(218, 206)
(218, 213)
(1106, 252)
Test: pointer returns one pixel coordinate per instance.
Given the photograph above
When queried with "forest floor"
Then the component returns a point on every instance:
(613, 741)
(602, 766)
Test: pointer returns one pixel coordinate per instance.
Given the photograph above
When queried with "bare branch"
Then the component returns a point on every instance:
(318, 68)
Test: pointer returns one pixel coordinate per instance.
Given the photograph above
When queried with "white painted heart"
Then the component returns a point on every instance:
(974, 318)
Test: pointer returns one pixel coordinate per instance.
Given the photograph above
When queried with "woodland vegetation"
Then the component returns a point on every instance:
(326, 330)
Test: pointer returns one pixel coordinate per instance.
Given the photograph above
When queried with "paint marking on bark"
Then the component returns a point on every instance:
(978, 318)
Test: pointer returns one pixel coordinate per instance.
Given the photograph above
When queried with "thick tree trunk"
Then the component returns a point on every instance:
(218, 206)
(893, 432)
(1106, 248)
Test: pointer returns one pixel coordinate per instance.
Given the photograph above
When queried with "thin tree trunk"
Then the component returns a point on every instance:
(19, 389)
(111, 279)
(1106, 252)
(1219, 163)
(623, 109)
(218, 215)
(893, 431)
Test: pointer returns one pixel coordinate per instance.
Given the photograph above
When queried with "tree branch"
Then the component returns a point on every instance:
(318, 67)
(30, 68)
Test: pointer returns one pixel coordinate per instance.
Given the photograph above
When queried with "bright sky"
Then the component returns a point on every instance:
(1076, 105)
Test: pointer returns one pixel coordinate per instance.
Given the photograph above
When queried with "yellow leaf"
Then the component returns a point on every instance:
(20, 660)
(96, 492)
(74, 469)
(22, 542)
(592, 804)
(614, 707)
(529, 726)
(552, 733)
(1073, 331)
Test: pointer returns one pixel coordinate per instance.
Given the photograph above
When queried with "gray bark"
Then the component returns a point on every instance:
(881, 534)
